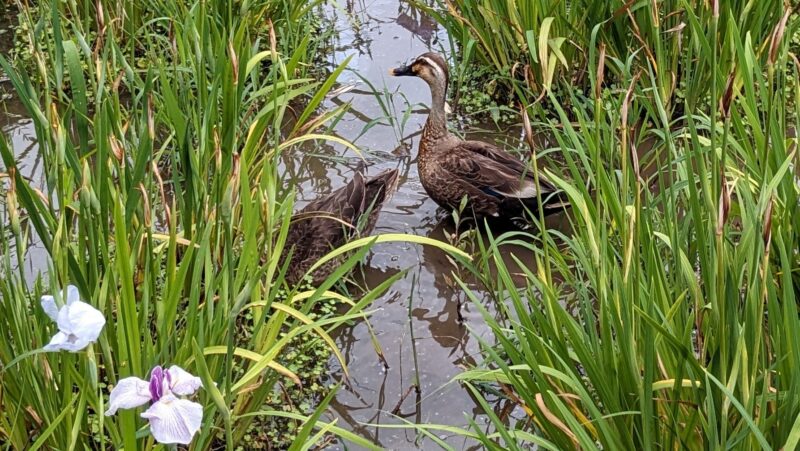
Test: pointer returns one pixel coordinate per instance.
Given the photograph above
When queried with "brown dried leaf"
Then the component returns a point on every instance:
(777, 36)
(601, 70)
(555, 420)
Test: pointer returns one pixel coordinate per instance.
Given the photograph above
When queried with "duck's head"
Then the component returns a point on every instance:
(431, 67)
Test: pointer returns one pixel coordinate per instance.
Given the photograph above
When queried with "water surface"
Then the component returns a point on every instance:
(379, 35)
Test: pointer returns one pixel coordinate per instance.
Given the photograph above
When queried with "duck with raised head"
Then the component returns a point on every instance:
(329, 222)
(494, 182)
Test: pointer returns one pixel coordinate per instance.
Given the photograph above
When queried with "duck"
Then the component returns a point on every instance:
(331, 221)
(494, 182)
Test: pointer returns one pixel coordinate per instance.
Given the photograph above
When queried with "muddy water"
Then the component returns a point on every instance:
(19, 132)
(381, 34)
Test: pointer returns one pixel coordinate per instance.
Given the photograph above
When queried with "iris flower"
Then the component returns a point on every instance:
(79, 324)
(172, 419)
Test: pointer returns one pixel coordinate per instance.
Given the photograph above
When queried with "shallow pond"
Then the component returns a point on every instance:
(379, 34)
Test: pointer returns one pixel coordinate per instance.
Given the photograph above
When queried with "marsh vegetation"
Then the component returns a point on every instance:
(175, 139)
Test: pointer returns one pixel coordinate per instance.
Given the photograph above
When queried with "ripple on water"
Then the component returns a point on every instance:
(381, 34)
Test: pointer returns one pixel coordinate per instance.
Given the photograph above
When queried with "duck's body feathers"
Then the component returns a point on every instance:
(488, 167)
(329, 222)
(493, 181)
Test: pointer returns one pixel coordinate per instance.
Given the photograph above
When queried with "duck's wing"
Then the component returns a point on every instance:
(332, 218)
(493, 171)
(341, 208)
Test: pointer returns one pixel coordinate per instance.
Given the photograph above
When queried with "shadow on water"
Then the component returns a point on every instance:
(21, 136)
(379, 34)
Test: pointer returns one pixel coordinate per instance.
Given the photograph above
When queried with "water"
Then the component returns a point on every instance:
(19, 132)
(380, 35)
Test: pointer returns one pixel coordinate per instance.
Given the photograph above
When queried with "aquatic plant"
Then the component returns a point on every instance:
(530, 46)
(666, 315)
(162, 203)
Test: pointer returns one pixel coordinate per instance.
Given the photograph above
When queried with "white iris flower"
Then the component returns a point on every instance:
(79, 324)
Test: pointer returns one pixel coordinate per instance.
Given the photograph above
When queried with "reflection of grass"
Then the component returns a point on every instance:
(387, 101)
(161, 204)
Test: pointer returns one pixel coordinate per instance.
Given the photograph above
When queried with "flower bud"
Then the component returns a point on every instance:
(229, 198)
(767, 234)
(727, 96)
(601, 69)
(145, 206)
(234, 63)
(101, 20)
(12, 206)
(116, 149)
(777, 37)
(724, 206)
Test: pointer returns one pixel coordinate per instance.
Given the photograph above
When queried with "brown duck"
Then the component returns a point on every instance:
(331, 221)
(493, 181)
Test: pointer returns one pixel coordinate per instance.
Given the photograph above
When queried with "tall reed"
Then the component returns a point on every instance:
(531, 46)
(666, 317)
(159, 127)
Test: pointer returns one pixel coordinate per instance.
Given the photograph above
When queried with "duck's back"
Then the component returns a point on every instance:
(494, 182)
(329, 222)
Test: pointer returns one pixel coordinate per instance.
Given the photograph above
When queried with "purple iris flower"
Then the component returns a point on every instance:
(172, 419)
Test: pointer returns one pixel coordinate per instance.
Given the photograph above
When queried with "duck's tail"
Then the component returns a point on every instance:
(373, 193)
(382, 186)
(552, 202)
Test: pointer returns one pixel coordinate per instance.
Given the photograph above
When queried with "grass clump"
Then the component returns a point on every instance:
(530, 47)
(666, 316)
(162, 203)
(306, 356)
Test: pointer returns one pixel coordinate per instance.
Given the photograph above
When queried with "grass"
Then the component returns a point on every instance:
(667, 315)
(159, 126)
(529, 47)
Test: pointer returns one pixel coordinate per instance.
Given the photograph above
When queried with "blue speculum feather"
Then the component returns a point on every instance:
(488, 190)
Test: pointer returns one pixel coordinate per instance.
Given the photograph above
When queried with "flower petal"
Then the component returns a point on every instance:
(174, 420)
(59, 342)
(129, 393)
(49, 306)
(181, 382)
(73, 295)
(82, 320)
(67, 342)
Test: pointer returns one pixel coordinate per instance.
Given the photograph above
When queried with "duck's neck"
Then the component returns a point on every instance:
(436, 127)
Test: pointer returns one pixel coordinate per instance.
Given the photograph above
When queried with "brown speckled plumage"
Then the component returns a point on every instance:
(329, 222)
(494, 182)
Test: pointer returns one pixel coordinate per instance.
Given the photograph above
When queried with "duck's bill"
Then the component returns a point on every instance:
(401, 71)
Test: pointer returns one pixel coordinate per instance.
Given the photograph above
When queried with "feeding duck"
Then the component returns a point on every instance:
(329, 222)
(494, 182)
